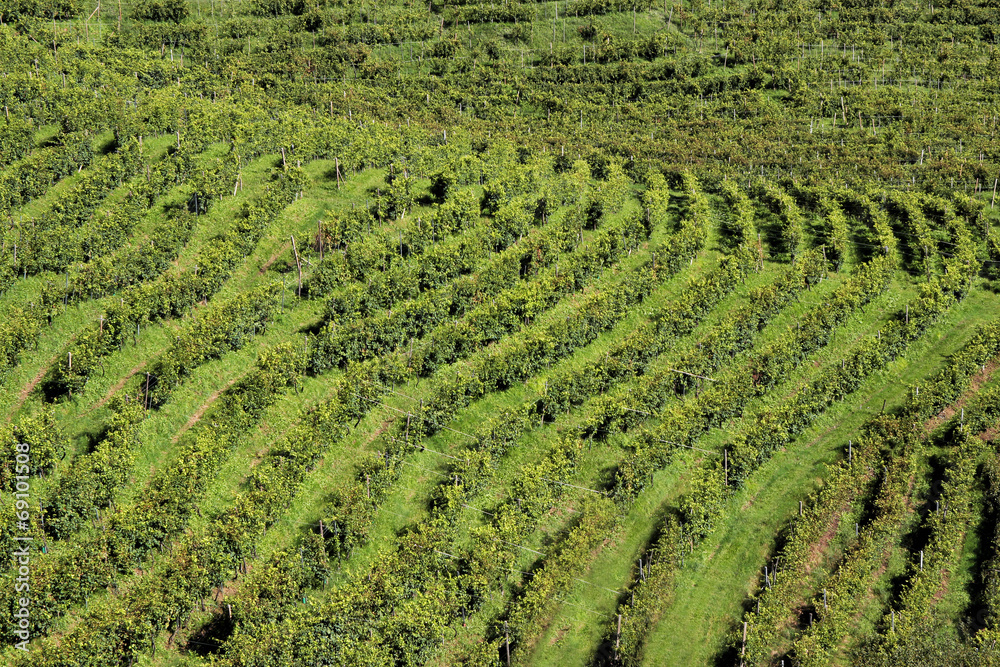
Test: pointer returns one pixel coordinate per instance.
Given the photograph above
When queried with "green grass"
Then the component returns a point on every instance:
(400, 509)
(614, 567)
(725, 568)
(573, 633)
(86, 412)
(405, 503)
(706, 609)
(164, 425)
(494, 86)
(562, 643)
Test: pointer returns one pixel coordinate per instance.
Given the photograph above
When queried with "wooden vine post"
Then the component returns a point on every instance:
(743, 649)
(298, 265)
(618, 635)
(506, 635)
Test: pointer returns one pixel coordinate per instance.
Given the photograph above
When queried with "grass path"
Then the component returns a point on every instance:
(575, 630)
(724, 571)
(26, 390)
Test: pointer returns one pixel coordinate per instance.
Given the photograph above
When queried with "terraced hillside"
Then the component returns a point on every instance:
(568, 333)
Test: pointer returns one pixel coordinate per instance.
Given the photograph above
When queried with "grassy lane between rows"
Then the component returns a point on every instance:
(722, 574)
